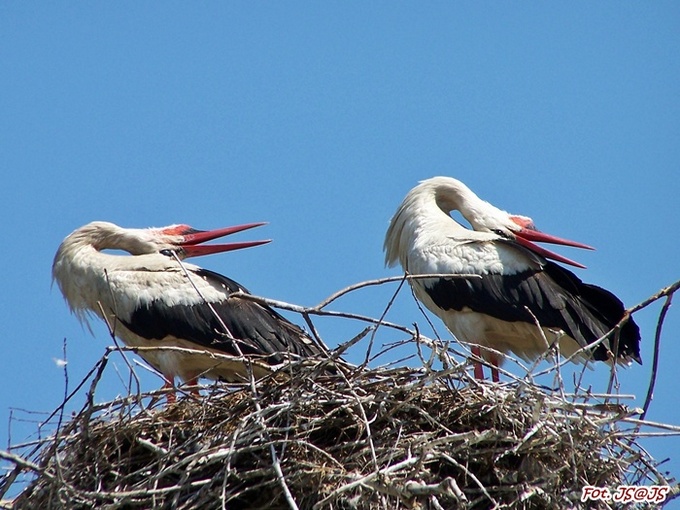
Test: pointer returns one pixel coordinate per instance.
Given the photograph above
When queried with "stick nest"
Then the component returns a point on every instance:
(326, 435)
(380, 438)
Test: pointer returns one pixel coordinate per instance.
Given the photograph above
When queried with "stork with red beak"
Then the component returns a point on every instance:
(151, 300)
(516, 285)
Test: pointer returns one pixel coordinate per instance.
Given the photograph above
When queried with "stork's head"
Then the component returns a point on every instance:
(522, 230)
(451, 194)
(447, 194)
(183, 240)
(186, 241)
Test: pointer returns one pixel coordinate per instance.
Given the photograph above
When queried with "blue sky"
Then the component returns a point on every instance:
(318, 117)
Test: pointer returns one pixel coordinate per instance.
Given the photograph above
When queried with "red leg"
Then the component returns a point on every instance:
(479, 370)
(495, 363)
(171, 396)
(194, 391)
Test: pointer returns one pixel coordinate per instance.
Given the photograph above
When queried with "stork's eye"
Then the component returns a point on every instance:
(499, 232)
(166, 252)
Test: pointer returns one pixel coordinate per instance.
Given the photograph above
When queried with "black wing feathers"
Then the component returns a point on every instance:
(555, 296)
(256, 328)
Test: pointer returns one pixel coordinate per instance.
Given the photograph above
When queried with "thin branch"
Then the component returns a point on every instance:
(382, 317)
(389, 279)
(21, 462)
(655, 360)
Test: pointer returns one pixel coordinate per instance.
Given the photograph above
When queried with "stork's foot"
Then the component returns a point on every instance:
(171, 396)
(193, 384)
(495, 363)
(494, 375)
(479, 369)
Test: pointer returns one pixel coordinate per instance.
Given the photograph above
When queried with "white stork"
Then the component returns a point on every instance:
(518, 286)
(150, 300)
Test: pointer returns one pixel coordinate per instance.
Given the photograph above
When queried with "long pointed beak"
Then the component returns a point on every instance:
(546, 253)
(192, 247)
(541, 237)
(528, 233)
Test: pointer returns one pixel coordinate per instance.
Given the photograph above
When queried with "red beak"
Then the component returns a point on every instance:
(528, 232)
(192, 239)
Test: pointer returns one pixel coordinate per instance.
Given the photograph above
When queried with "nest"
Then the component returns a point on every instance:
(401, 438)
(331, 436)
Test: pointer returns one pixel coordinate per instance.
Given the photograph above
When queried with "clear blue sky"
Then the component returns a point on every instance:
(318, 117)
